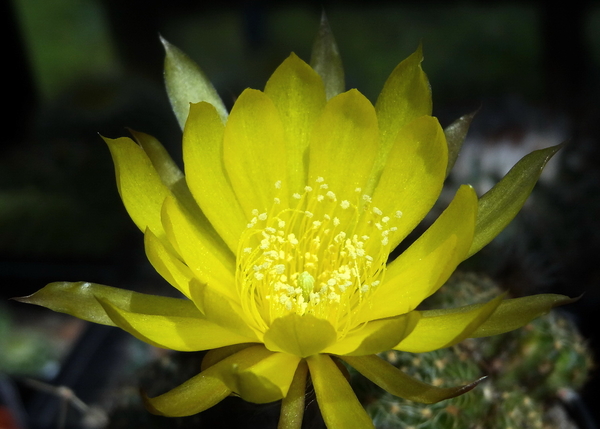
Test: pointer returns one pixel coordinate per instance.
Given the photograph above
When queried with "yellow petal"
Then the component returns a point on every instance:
(205, 173)
(413, 176)
(299, 335)
(444, 328)
(299, 95)
(220, 309)
(164, 165)
(172, 329)
(514, 313)
(167, 264)
(338, 403)
(210, 260)
(426, 265)
(139, 185)
(79, 299)
(405, 96)
(266, 381)
(376, 336)
(344, 143)
(254, 152)
(204, 390)
(390, 378)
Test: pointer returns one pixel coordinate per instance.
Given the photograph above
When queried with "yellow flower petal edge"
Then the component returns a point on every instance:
(337, 402)
(391, 379)
(280, 231)
(205, 389)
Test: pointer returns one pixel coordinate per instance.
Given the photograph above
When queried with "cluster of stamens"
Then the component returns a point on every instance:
(320, 256)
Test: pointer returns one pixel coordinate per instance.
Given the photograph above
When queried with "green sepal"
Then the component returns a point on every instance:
(325, 59)
(186, 83)
(515, 313)
(79, 299)
(396, 382)
(456, 133)
(500, 205)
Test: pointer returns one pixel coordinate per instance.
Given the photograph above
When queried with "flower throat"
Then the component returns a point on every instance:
(321, 257)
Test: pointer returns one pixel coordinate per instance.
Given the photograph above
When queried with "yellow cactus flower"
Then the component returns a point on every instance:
(279, 234)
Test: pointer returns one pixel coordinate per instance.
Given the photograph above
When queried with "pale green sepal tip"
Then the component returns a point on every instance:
(326, 60)
(500, 205)
(456, 133)
(186, 83)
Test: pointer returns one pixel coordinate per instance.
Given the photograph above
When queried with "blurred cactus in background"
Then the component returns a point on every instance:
(528, 370)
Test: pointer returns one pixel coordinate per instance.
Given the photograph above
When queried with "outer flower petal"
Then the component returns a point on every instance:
(413, 176)
(500, 205)
(325, 59)
(206, 175)
(420, 270)
(299, 95)
(186, 83)
(79, 299)
(445, 328)
(299, 335)
(390, 378)
(456, 133)
(167, 263)
(347, 123)
(405, 96)
(375, 336)
(172, 329)
(254, 152)
(210, 261)
(517, 312)
(139, 185)
(220, 309)
(338, 403)
(204, 390)
(266, 381)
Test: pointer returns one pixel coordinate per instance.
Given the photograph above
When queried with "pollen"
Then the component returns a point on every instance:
(318, 256)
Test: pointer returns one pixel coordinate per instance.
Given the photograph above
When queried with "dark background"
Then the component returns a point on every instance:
(76, 68)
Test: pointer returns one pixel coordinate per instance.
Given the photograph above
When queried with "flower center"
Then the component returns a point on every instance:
(322, 256)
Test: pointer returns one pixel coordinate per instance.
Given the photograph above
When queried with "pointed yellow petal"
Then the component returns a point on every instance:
(214, 356)
(139, 185)
(338, 403)
(345, 139)
(266, 381)
(326, 60)
(405, 96)
(299, 95)
(172, 329)
(445, 328)
(426, 265)
(517, 312)
(186, 83)
(210, 260)
(376, 336)
(413, 176)
(164, 165)
(391, 379)
(206, 176)
(299, 335)
(79, 299)
(220, 309)
(167, 263)
(254, 152)
(204, 390)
